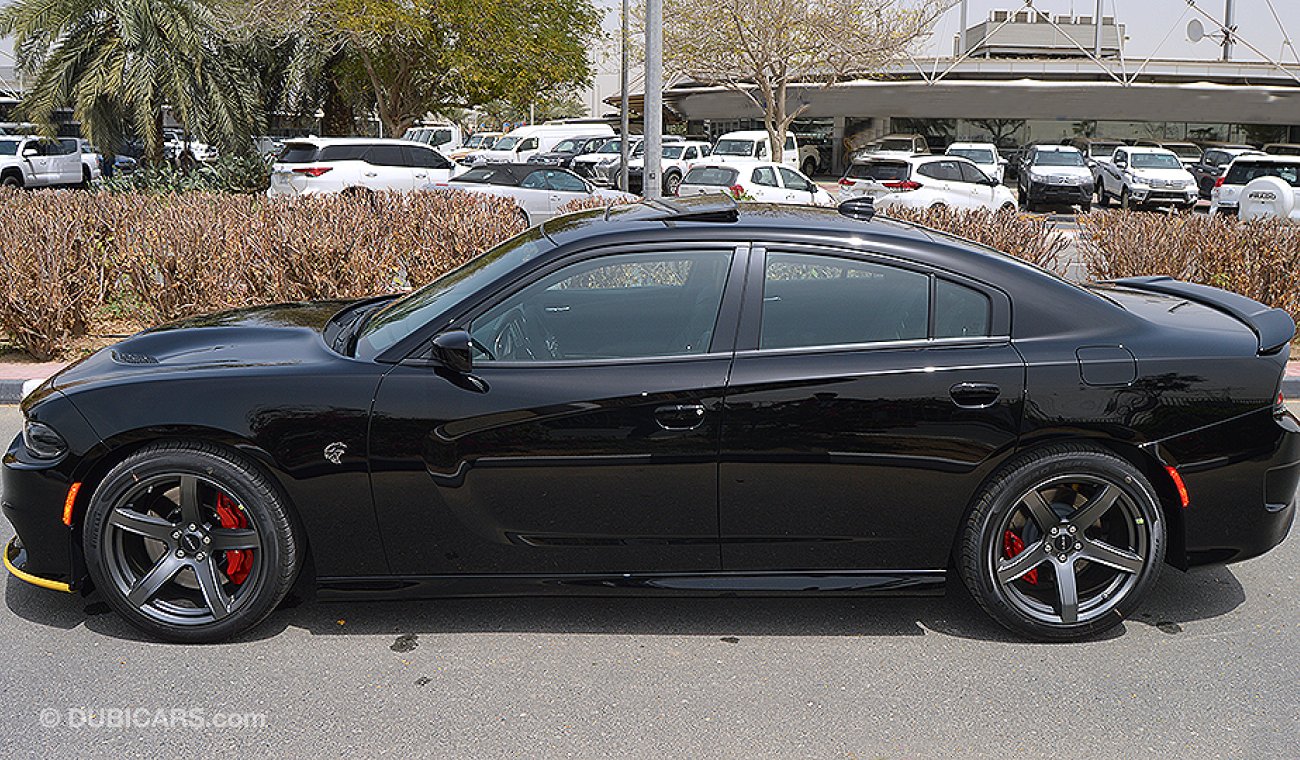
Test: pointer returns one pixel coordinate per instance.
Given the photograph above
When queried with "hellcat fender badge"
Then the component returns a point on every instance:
(334, 452)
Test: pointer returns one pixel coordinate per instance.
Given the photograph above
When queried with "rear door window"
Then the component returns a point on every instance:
(425, 158)
(763, 175)
(941, 170)
(959, 311)
(385, 154)
(972, 173)
(350, 152)
(298, 153)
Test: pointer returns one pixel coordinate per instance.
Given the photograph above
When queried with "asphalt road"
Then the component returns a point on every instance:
(1207, 669)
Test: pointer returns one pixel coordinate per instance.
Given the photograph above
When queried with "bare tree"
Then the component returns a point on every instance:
(760, 48)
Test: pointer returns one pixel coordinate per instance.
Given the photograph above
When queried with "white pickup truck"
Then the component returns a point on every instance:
(33, 161)
(752, 145)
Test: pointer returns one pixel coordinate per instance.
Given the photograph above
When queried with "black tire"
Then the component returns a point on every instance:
(12, 181)
(85, 179)
(1085, 208)
(523, 217)
(1078, 481)
(158, 515)
(1125, 202)
(809, 167)
(1007, 208)
(1103, 200)
(672, 182)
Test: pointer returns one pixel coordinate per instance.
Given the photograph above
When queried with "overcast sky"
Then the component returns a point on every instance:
(1147, 22)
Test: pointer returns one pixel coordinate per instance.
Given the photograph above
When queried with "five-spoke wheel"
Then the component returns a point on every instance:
(1063, 543)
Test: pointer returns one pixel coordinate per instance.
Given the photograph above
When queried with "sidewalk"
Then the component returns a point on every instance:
(17, 380)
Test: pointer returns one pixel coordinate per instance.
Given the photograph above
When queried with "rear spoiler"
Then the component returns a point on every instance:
(1273, 327)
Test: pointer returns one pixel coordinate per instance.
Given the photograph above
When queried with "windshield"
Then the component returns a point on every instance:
(478, 141)
(978, 155)
(1156, 161)
(568, 146)
(896, 145)
(611, 147)
(734, 148)
(407, 314)
(506, 143)
(1102, 150)
(1185, 151)
(1058, 158)
(8, 147)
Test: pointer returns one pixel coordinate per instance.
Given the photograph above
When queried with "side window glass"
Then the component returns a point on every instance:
(972, 173)
(613, 307)
(386, 155)
(811, 300)
(794, 181)
(764, 176)
(789, 142)
(528, 144)
(535, 181)
(565, 182)
(959, 311)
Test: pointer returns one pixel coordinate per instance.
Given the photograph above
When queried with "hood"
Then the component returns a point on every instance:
(1178, 175)
(263, 336)
(1061, 171)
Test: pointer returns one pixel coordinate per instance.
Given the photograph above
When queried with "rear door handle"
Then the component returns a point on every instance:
(974, 395)
(680, 416)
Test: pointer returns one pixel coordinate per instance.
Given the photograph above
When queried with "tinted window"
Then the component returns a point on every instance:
(426, 158)
(8, 147)
(972, 173)
(763, 175)
(716, 176)
(734, 148)
(572, 145)
(298, 153)
(386, 155)
(826, 301)
(613, 307)
(565, 182)
(978, 155)
(942, 170)
(794, 181)
(959, 311)
(535, 181)
(897, 144)
(789, 142)
(1215, 157)
(1057, 158)
(528, 144)
(1242, 172)
(881, 170)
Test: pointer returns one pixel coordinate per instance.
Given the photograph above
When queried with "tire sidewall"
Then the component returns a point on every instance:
(990, 512)
(261, 505)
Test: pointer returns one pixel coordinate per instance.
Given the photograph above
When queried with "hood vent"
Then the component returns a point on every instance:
(127, 357)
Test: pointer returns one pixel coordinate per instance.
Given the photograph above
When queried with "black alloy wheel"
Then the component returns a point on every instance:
(1063, 545)
(189, 543)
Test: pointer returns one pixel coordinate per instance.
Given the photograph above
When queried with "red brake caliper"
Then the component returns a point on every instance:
(1011, 546)
(238, 561)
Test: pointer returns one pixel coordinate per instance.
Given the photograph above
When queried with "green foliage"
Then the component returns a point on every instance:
(117, 63)
(228, 174)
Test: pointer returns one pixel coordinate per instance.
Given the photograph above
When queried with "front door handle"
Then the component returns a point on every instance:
(680, 416)
(974, 395)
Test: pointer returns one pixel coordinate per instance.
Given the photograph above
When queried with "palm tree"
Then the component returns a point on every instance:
(118, 63)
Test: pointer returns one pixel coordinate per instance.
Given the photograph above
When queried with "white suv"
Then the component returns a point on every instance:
(1229, 188)
(355, 164)
(761, 181)
(924, 182)
(34, 161)
(985, 156)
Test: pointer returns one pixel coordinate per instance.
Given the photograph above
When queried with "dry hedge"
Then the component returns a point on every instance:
(1031, 238)
(161, 257)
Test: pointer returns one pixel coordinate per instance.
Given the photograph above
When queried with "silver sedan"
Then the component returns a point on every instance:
(540, 192)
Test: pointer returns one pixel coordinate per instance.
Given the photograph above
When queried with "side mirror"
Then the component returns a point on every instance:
(452, 348)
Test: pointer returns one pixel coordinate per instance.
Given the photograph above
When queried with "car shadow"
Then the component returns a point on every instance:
(1178, 599)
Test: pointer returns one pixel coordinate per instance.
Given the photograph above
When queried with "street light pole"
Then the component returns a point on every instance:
(654, 98)
(1228, 30)
(623, 117)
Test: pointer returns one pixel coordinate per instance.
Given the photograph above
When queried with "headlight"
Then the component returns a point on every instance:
(43, 441)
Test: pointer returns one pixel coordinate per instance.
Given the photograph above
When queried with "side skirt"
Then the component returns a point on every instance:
(820, 582)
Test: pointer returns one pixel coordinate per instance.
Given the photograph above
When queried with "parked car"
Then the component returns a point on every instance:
(1228, 189)
(1214, 160)
(520, 144)
(752, 145)
(539, 191)
(894, 146)
(601, 165)
(33, 161)
(1282, 149)
(924, 181)
(565, 151)
(443, 138)
(310, 166)
(761, 181)
(1187, 152)
(475, 142)
(92, 163)
(690, 396)
(1055, 175)
(1095, 152)
(178, 147)
(676, 159)
(984, 155)
(1139, 177)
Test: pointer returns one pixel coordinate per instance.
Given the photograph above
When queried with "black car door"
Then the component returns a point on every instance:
(868, 399)
(586, 437)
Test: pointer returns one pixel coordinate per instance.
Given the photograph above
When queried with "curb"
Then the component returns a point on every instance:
(1291, 387)
(12, 391)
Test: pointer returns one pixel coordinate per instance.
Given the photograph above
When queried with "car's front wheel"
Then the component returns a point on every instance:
(1063, 543)
(189, 542)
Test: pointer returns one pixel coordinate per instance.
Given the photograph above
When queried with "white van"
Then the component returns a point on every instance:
(518, 146)
(751, 145)
(442, 137)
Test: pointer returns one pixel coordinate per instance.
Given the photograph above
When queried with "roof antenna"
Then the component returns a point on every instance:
(862, 207)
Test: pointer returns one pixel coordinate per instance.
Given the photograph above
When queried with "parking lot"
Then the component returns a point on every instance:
(1205, 670)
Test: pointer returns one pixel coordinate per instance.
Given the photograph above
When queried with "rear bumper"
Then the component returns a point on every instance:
(1241, 478)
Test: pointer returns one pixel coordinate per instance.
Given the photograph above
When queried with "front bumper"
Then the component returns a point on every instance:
(15, 559)
(43, 552)
(1161, 196)
(1041, 192)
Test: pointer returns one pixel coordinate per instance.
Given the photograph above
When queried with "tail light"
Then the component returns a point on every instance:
(313, 171)
(1219, 182)
(846, 182)
(737, 190)
(903, 186)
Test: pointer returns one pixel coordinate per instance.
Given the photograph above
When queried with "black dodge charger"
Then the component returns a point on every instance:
(684, 397)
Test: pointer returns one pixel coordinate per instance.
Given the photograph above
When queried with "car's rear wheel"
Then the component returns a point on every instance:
(1103, 200)
(189, 542)
(672, 183)
(1063, 543)
(809, 167)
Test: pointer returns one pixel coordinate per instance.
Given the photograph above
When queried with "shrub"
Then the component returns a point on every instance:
(1031, 238)
(53, 268)
(1259, 259)
(227, 174)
